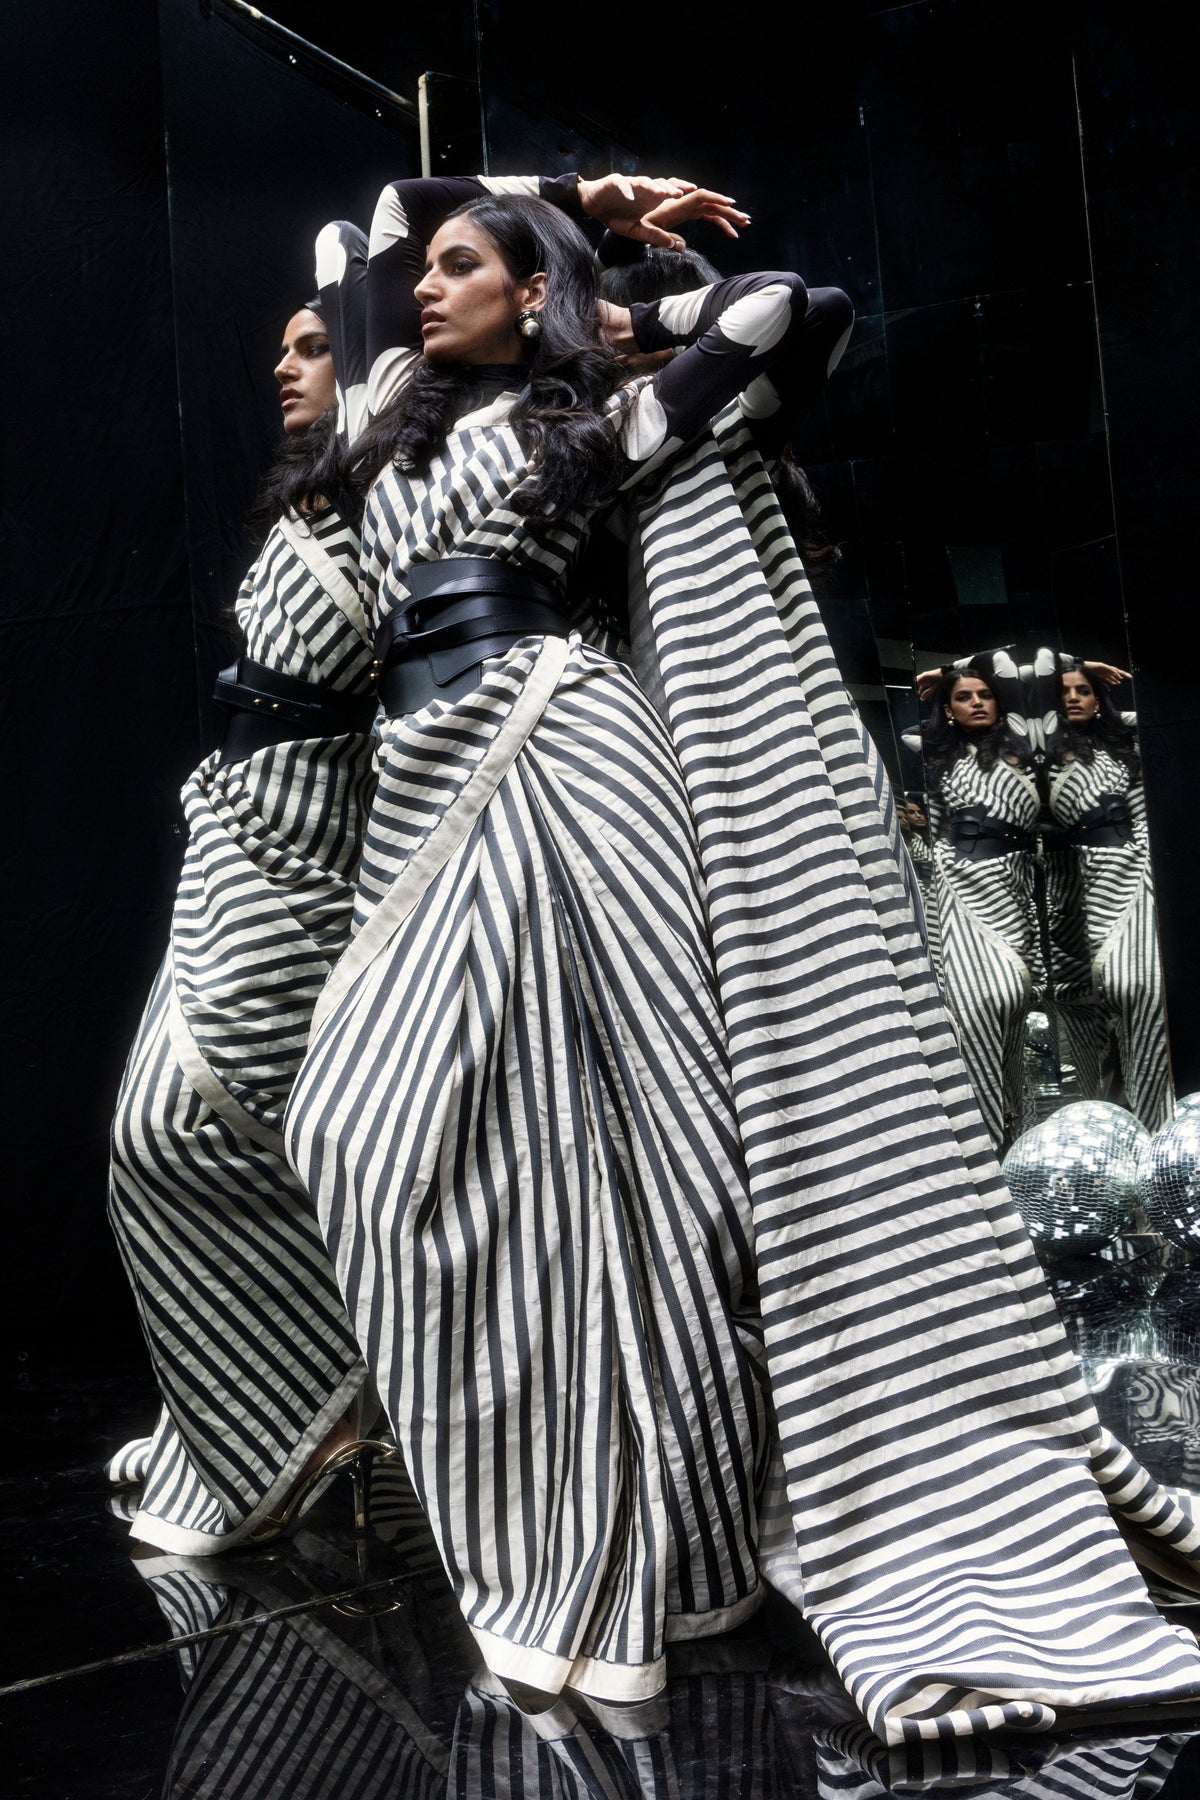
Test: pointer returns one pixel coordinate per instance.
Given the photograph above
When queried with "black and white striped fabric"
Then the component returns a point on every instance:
(853, 1766)
(987, 936)
(128, 1467)
(191, 1606)
(285, 1709)
(636, 1058)
(248, 1334)
(1117, 895)
(1071, 988)
(316, 1704)
(895, 1278)
(530, 1080)
(552, 1283)
(711, 1738)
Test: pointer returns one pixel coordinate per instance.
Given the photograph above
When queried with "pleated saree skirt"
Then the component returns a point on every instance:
(250, 1343)
(516, 1124)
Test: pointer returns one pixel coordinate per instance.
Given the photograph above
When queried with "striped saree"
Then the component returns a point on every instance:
(247, 1333)
(634, 1084)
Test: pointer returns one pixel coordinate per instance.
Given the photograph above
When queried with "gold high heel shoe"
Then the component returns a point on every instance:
(358, 1456)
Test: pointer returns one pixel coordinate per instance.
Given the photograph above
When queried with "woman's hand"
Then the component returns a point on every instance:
(630, 205)
(927, 682)
(1107, 674)
(615, 330)
(697, 203)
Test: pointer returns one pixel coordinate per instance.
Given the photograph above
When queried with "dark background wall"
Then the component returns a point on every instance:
(1008, 453)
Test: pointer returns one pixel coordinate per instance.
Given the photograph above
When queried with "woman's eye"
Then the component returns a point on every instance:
(318, 349)
(463, 265)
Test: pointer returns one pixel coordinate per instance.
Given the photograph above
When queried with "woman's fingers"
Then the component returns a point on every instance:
(701, 203)
(626, 202)
(1108, 673)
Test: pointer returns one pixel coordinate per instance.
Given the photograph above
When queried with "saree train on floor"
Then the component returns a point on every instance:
(540, 1013)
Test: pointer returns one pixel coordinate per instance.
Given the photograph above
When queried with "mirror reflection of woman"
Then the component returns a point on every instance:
(248, 1334)
(1097, 800)
(983, 808)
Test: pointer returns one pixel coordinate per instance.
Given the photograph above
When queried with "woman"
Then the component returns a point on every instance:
(254, 1355)
(1096, 796)
(983, 811)
(632, 1093)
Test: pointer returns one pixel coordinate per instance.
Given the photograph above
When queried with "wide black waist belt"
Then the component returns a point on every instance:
(463, 609)
(976, 835)
(267, 707)
(1106, 826)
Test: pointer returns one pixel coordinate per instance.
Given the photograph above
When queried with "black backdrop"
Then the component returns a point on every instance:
(1006, 191)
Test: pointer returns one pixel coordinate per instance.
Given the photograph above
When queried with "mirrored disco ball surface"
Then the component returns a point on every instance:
(1170, 1180)
(1074, 1177)
(1190, 1103)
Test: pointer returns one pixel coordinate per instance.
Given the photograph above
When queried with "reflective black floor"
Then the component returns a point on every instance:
(337, 1666)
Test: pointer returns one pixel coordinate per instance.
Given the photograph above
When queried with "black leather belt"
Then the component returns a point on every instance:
(1105, 826)
(976, 835)
(267, 707)
(463, 609)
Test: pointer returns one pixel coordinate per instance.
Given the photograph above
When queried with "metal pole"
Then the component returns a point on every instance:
(272, 26)
(423, 118)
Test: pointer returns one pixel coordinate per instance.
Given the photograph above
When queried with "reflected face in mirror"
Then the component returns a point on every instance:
(469, 300)
(972, 704)
(1079, 697)
(305, 372)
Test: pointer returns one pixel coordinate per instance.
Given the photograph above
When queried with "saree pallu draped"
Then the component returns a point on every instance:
(636, 1064)
(950, 1483)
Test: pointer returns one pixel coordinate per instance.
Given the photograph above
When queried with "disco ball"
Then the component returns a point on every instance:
(1187, 1103)
(1170, 1180)
(1074, 1177)
(1175, 1315)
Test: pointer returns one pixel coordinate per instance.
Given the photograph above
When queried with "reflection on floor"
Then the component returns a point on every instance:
(335, 1667)
(1132, 1312)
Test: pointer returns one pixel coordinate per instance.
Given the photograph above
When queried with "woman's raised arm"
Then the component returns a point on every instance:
(409, 212)
(341, 283)
(760, 338)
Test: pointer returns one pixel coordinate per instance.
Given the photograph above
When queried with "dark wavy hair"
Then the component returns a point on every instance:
(572, 372)
(651, 276)
(310, 472)
(654, 273)
(1105, 730)
(943, 741)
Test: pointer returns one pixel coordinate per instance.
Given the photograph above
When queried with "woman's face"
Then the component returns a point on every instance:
(1080, 700)
(972, 704)
(305, 372)
(469, 302)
